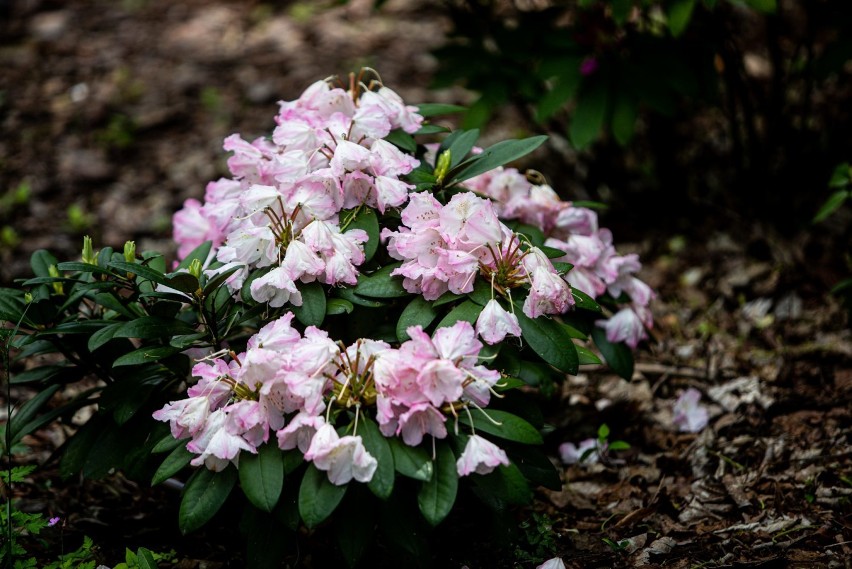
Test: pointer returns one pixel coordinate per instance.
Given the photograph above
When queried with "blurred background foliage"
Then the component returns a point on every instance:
(702, 108)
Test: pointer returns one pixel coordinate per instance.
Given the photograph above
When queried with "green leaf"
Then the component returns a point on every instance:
(621, 10)
(509, 426)
(377, 445)
(535, 466)
(459, 143)
(143, 271)
(505, 485)
(144, 355)
(550, 341)
(183, 282)
(369, 222)
(102, 336)
(40, 261)
(75, 266)
(831, 205)
(211, 286)
(624, 118)
(27, 412)
(312, 311)
(262, 476)
(587, 357)
(588, 119)
(437, 495)
(418, 312)
(144, 559)
(584, 301)
(413, 462)
(153, 327)
(167, 444)
(203, 496)
(564, 89)
(765, 6)
(841, 177)
(348, 294)
(494, 156)
(468, 311)
(172, 464)
(432, 129)
(618, 356)
(603, 432)
(381, 284)
(679, 14)
(318, 497)
(334, 306)
(355, 525)
(403, 140)
(433, 109)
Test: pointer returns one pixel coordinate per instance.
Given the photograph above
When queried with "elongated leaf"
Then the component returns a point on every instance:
(144, 355)
(497, 155)
(459, 143)
(412, 462)
(153, 327)
(381, 284)
(172, 464)
(564, 89)
(262, 476)
(39, 374)
(437, 495)
(588, 118)
(505, 485)
(102, 336)
(203, 496)
(418, 312)
(377, 445)
(355, 525)
(211, 286)
(312, 310)
(26, 412)
(507, 426)
(140, 270)
(334, 306)
(679, 13)
(535, 466)
(318, 497)
(550, 341)
(624, 118)
(184, 282)
(584, 301)
(403, 140)
(468, 311)
(76, 266)
(369, 222)
(145, 559)
(432, 109)
(587, 357)
(348, 294)
(831, 205)
(618, 356)
(167, 444)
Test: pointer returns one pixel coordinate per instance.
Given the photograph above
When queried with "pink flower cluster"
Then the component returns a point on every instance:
(281, 207)
(445, 247)
(296, 386)
(598, 269)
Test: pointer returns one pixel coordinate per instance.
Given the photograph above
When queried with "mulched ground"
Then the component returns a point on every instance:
(112, 113)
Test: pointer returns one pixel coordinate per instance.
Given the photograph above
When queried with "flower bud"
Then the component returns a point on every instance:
(28, 297)
(54, 272)
(195, 268)
(443, 165)
(89, 256)
(130, 251)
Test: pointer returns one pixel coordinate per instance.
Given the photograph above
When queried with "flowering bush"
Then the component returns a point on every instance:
(361, 307)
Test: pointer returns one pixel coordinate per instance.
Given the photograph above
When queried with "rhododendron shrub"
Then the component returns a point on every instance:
(367, 301)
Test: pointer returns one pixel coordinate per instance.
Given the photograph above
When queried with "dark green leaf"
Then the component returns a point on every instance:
(334, 306)
(40, 261)
(312, 310)
(139, 270)
(152, 327)
(588, 118)
(348, 294)
(144, 559)
(433, 109)
(262, 476)
(355, 525)
(841, 177)
(505, 485)
(144, 355)
(419, 312)
(831, 205)
(535, 466)
(624, 118)
(27, 412)
(584, 301)
(679, 14)
(102, 336)
(318, 497)
(403, 140)
(377, 445)
(507, 426)
(184, 282)
(203, 496)
(75, 266)
(38, 374)
(369, 222)
(172, 464)
(564, 89)
(459, 143)
(412, 462)
(381, 284)
(618, 356)
(468, 311)
(437, 495)
(167, 444)
(587, 357)
(766, 6)
(550, 341)
(494, 156)
(432, 129)
(621, 10)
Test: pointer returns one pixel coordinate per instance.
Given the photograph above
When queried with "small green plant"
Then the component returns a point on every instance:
(538, 540)
(841, 183)
(144, 559)
(119, 133)
(603, 446)
(79, 220)
(14, 197)
(617, 546)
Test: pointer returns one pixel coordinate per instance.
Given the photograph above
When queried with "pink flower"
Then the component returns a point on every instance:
(299, 432)
(588, 66)
(625, 326)
(495, 323)
(549, 294)
(421, 419)
(344, 458)
(186, 417)
(555, 563)
(689, 415)
(480, 456)
(574, 454)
